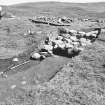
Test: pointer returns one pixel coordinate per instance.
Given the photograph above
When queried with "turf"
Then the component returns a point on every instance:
(56, 80)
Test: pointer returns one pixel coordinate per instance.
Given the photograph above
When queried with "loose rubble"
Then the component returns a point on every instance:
(67, 43)
(53, 19)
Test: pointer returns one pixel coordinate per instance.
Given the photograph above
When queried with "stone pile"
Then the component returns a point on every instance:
(67, 43)
(53, 19)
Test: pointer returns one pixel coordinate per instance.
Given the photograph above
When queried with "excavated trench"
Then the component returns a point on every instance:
(46, 69)
(64, 53)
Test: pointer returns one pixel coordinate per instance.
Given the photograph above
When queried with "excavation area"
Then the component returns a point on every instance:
(24, 45)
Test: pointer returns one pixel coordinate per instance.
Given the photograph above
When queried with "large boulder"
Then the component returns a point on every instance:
(35, 56)
(15, 59)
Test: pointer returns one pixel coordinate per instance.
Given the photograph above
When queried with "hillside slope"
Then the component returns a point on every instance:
(57, 8)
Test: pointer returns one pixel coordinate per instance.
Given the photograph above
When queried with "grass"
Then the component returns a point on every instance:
(80, 82)
(49, 8)
(14, 43)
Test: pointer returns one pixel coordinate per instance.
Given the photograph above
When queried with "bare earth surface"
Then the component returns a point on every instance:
(56, 80)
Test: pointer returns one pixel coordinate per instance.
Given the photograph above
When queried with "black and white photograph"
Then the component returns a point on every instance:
(52, 52)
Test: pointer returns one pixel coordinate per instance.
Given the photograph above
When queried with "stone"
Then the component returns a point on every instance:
(73, 38)
(73, 31)
(76, 43)
(59, 38)
(25, 34)
(55, 46)
(67, 36)
(81, 32)
(0, 12)
(23, 82)
(68, 40)
(48, 47)
(83, 40)
(36, 56)
(94, 32)
(70, 51)
(68, 45)
(0, 8)
(80, 48)
(94, 35)
(15, 59)
(88, 34)
(88, 42)
(13, 86)
(60, 44)
(42, 57)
